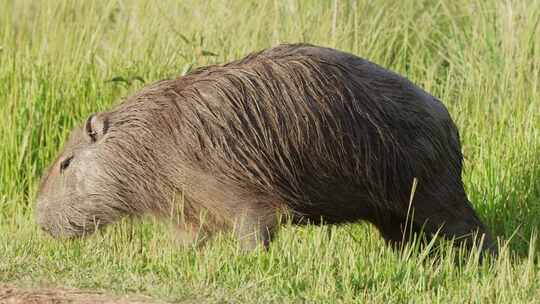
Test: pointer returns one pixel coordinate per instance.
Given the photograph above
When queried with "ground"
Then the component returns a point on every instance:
(10, 294)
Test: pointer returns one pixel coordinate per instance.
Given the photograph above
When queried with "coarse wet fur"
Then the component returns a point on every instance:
(313, 133)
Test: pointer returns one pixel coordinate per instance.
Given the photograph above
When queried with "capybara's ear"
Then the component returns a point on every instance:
(96, 126)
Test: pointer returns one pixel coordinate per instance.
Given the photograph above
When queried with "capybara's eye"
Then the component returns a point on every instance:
(65, 163)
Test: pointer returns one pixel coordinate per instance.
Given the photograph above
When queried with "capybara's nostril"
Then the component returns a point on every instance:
(46, 229)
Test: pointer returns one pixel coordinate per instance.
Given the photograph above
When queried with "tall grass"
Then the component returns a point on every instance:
(62, 60)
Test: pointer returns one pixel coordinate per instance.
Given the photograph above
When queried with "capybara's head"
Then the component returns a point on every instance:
(69, 201)
(115, 164)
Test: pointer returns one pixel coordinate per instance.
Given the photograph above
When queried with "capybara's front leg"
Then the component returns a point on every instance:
(254, 227)
(187, 235)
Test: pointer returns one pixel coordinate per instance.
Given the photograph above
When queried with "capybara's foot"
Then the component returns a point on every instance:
(471, 233)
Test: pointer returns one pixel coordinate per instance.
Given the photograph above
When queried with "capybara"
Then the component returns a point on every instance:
(310, 133)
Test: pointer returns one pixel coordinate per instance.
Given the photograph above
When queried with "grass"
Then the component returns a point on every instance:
(62, 60)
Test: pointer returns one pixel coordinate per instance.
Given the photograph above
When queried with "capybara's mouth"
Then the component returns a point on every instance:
(71, 230)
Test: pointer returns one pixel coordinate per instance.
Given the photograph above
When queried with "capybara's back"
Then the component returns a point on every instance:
(311, 132)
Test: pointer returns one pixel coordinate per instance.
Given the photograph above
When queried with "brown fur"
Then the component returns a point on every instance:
(312, 132)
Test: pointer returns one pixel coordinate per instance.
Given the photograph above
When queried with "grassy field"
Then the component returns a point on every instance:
(62, 60)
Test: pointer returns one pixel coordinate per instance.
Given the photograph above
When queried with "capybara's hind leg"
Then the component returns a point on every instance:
(469, 230)
(457, 221)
